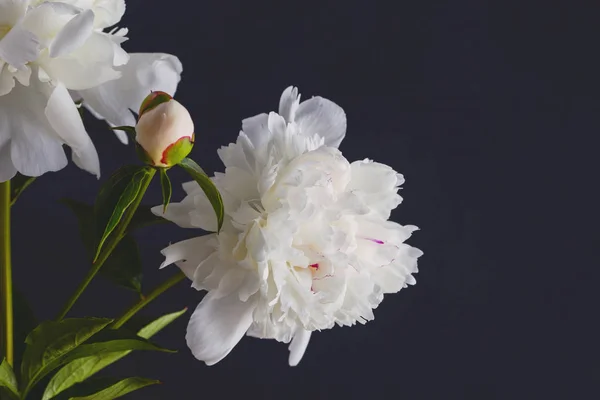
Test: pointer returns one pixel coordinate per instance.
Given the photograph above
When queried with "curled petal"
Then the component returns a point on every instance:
(73, 35)
(298, 346)
(288, 103)
(217, 325)
(323, 117)
(63, 116)
(188, 254)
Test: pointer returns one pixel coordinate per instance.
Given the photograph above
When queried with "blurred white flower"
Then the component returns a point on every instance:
(306, 242)
(54, 52)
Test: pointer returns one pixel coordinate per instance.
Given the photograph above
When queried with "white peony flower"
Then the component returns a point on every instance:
(306, 242)
(54, 52)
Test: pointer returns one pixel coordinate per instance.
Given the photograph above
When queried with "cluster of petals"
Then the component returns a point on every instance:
(54, 54)
(306, 242)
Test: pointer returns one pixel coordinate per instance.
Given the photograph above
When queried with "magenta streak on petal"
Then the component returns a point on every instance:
(315, 266)
(376, 241)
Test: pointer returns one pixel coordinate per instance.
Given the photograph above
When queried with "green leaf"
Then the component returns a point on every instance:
(8, 379)
(207, 185)
(49, 344)
(17, 185)
(85, 216)
(118, 389)
(90, 358)
(126, 195)
(81, 369)
(165, 184)
(124, 265)
(112, 340)
(23, 324)
(157, 325)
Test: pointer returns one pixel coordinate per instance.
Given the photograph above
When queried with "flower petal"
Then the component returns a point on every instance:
(145, 72)
(35, 147)
(88, 66)
(217, 325)
(108, 12)
(64, 117)
(298, 346)
(34, 153)
(288, 103)
(47, 19)
(178, 213)
(12, 11)
(19, 46)
(256, 128)
(188, 254)
(323, 117)
(74, 34)
(7, 80)
(376, 185)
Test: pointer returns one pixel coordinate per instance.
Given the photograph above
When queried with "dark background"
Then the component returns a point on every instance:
(490, 113)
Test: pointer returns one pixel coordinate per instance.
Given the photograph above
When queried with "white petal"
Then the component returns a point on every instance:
(203, 215)
(188, 254)
(178, 213)
(288, 103)
(23, 75)
(12, 11)
(113, 100)
(19, 46)
(75, 33)
(377, 185)
(277, 124)
(88, 66)
(34, 153)
(230, 282)
(7, 80)
(64, 117)
(256, 128)
(323, 117)
(298, 346)
(47, 19)
(35, 147)
(217, 325)
(108, 12)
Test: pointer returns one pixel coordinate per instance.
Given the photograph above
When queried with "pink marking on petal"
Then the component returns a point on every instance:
(315, 266)
(376, 241)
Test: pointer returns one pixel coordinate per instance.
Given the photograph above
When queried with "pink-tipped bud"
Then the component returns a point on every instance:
(165, 130)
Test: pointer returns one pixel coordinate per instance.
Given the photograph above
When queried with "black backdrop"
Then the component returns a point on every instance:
(487, 110)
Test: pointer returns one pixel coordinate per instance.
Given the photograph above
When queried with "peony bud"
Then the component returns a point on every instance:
(165, 130)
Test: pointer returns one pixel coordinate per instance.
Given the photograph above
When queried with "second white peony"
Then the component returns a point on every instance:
(55, 52)
(306, 243)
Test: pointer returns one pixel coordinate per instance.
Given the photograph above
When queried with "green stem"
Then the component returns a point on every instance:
(6, 274)
(169, 283)
(109, 246)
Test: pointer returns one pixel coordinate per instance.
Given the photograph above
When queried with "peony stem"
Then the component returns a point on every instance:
(169, 283)
(109, 246)
(6, 329)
